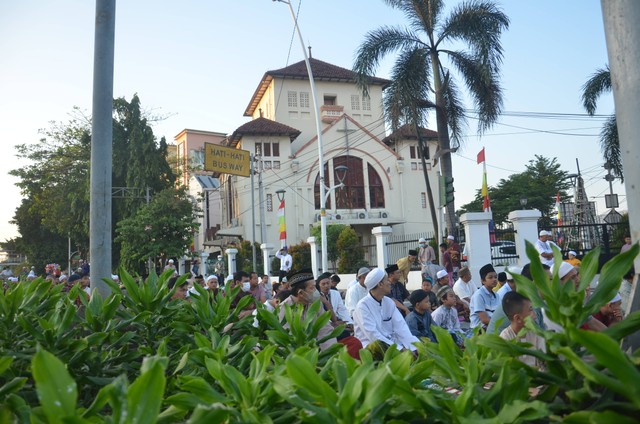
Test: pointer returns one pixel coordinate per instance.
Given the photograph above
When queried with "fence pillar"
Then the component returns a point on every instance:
(181, 265)
(525, 224)
(266, 257)
(381, 234)
(231, 258)
(314, 256)
(203, 263)
(478, 244)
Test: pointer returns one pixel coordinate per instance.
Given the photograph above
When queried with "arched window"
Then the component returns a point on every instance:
(352, 195)
(376, 189)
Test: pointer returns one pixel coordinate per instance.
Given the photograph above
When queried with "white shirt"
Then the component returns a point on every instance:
(462, 289)
(285, 261)
(485, 301)
(354, 294)
(338, 306)
(353, 283)
(373, 320)
(446, 318)
(544, 247)
(506, 288)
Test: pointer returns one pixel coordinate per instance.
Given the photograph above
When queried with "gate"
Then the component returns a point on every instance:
(503, 245)
(399, 245)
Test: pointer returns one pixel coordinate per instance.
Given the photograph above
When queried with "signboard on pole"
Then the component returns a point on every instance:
(226, 160)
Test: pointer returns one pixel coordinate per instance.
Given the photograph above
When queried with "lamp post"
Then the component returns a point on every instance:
(323, 187)
(523, 202)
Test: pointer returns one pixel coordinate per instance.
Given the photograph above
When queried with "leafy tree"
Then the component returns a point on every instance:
(56, 181)
(162, 229)
(598, 84)
(300, 256)
(244, 257)
(469, 39)
(351, 253)
(333, 232)
(539, 183)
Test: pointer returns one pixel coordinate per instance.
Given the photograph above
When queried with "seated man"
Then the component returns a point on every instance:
(377, 318)
(518, 308)
(464, 288)
(398, 292)
(484, 301)
(356, 291)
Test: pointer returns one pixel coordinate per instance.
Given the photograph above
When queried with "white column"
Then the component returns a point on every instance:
(203, 263)
(266, 257)
(314, 255)
(525, 224)
(181, 262)
(381, 234)
(478, 244)
(231, 257)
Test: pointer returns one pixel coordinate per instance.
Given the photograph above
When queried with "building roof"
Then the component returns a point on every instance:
(322, 71)
(262, 126)
(408, 132)
(207, 182)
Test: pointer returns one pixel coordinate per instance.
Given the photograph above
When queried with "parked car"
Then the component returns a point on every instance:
(503, 252)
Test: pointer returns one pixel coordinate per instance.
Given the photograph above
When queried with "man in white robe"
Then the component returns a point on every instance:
(356, 291)
(377, 318)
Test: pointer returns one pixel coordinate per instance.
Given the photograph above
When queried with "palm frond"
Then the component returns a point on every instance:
(454, 109)
(610, 145)
(411, 81)
(377, 44)
(483, 85)
(478, 24)
(598, 83)
(423, 15)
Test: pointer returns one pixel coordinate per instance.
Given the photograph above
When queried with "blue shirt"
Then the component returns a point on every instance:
(420, 325)
(482, 300)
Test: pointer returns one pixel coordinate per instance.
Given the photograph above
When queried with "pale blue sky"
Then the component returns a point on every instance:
(199, 62)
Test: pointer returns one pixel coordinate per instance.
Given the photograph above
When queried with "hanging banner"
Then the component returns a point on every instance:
(227, 160)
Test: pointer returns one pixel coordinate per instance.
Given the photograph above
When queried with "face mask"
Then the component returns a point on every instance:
(246, 286)
(422, 245)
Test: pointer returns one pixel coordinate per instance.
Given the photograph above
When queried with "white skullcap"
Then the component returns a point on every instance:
(564, 269)
(441, 274)
(170, 261)
(422, 240)
(213, 277)
(513, 270)
(450, 237)
(544, 233)
(571, 252)
(373, 278)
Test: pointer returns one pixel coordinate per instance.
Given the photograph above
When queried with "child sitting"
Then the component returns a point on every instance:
(446, 316)
(518, 308)
(419, 320)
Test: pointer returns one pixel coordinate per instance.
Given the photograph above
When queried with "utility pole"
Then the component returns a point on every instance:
(253, 211)
(102, 146)
(263, 224)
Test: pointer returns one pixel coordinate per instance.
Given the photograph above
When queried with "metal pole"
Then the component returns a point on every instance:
(622, 32)
(147, 197)
(101, 146)
(263, 223)
(253, 212)
(69, 258)
(323, 217)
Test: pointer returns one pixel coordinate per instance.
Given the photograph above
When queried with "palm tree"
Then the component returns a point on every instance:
(472, 32)
(598, 84)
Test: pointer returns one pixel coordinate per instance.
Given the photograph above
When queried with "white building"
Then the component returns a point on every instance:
(384, 181)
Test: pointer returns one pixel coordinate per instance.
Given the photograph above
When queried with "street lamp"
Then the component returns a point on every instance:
(341, 174)
(523, 202)
(280, 193)
(323, 195)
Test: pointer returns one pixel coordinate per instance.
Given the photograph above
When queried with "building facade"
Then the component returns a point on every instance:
(384, 182)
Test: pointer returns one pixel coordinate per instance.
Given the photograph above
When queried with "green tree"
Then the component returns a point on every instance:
(333, 232)
(350, 251)
(244, 257)
(56, 180)
(598, 84)
(162, 229)
(468, 39)
(541, 181)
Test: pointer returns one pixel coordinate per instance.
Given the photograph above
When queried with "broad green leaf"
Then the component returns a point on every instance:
(5, 363)
(594, 417)
(12, 386)
(56, 389)
(523, 411)
(215, 413)
(627, 326)
(589, 268)
(305, 376)
(144, 396)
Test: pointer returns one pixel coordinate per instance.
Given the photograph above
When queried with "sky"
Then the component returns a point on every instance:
(197, 63)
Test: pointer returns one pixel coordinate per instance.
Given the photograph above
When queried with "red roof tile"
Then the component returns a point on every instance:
(322, 71)
(408, 132)
(262, 126)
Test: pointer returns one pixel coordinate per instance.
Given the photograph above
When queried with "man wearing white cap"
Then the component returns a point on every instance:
(426, 254)
(356, 291)
(544, 248)
(377, 318)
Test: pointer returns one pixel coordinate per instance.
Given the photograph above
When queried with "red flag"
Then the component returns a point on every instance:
(481, 156)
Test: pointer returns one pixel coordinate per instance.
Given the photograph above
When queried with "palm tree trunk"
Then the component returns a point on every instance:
(432, 206)
(443, 136)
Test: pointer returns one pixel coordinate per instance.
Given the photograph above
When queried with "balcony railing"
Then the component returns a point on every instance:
(330, 113)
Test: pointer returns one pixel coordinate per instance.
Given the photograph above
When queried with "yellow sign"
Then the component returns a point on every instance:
(226, 160)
